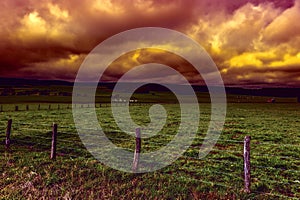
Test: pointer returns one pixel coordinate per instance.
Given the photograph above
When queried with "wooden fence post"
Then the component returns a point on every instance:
(27, 107)
(137, 151)
(17, 108)
(8, 131)
(1, 109)
(39, 107)
(49, 107)
(53, 144)
(247, 174)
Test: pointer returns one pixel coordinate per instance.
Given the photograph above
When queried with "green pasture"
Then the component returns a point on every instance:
(26, 171)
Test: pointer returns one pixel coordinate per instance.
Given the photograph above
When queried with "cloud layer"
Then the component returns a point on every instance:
(252, 42)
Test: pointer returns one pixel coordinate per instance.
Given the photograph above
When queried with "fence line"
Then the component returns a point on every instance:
(26, 141)
(40, 124)
(8, 132)
(247, 169)
(49, 138)
(92, 129)
(274, 181)
(275, 144)
(151, 142)
(136, 158)
(35, 129)
(217, 150)
(227, 161)
(214, 160)
(273, 155)
(61, 106)
(273, 168)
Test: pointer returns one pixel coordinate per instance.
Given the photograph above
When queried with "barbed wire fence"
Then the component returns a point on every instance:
(62, 106)
(68, 144)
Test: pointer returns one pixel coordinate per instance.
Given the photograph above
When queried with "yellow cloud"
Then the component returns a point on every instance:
(59, 13)
(33, 25)
(107, 7)
(39, 26)
(246, 59)
(146, 6)
(288, 60)
(264, 60)
(70, 63)
(216, 44)
(135, 56)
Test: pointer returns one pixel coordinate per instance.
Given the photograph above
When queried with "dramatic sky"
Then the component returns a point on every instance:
(252, 42)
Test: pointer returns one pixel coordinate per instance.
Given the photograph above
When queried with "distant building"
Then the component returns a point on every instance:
(272, 100)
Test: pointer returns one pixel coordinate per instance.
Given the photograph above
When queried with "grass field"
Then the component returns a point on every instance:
(27, 172)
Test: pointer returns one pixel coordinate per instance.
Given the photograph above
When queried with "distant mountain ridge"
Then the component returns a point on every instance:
(19, 82)
(274, 92)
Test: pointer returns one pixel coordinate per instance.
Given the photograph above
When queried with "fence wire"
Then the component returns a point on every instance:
(273, 168)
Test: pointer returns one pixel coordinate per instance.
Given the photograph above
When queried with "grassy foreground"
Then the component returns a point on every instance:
(26, 172)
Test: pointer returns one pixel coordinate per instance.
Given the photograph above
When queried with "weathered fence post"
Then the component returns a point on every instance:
(53, 144)
(247, 174)
(8, 130)
(49, 107)
(16, 108)
(1, 109)
(27, 107)
(58, 107)
(137, 151)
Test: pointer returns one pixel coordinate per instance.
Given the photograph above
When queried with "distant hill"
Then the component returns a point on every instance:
(272, 92)
(21, 82)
